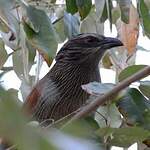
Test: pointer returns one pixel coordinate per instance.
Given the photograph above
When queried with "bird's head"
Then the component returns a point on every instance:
(85, 48)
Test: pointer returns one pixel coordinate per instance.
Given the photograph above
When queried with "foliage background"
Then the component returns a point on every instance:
(31, 32)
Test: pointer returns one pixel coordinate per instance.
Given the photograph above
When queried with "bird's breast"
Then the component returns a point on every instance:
(62, 93)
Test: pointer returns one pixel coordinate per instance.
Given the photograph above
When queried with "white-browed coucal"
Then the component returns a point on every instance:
(59, 92)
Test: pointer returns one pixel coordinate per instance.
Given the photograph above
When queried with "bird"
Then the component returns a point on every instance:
(59, 92)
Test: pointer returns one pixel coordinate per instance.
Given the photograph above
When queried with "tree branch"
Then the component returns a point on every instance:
(104, 98)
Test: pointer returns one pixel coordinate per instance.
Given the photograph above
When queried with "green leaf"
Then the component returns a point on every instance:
(145, 16)
(108, 116)
(53, 1)
(91, 24)
(8, 17)
(71, 6)
(71, 25)
(147, 2)
(84, 128)
(124, 137)
(125, 10)
(18, 63)
(84, 7)
(115, 14)
(127, 72)
(3, 26)
(23, 136)
(40, 32)
(17, 57)
(145, 88)
(60, 29)
(104, 15)
(31, 20)
(135, 108)
(81, 6)
(14, 95)
(106, 61)
(32, 53)
(97, 88)
(99, 5)
(3, 54)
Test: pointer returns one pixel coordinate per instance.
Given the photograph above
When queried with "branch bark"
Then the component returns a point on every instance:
(102, 99)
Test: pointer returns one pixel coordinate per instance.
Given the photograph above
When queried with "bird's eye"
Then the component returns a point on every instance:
(92, 40)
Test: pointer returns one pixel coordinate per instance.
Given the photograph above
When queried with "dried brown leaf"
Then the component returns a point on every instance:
(128, 33)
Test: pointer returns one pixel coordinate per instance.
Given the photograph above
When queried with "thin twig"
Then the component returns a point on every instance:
(104, 98)
(7, 68)
(11, 147)
(65, 118)
(58, 20)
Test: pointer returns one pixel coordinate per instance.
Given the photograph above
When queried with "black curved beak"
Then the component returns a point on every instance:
(109, 42)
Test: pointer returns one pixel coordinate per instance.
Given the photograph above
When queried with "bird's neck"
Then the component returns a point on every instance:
(79, 74)
(68, 79)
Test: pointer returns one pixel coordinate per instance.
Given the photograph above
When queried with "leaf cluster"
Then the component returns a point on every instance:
(33, 30)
